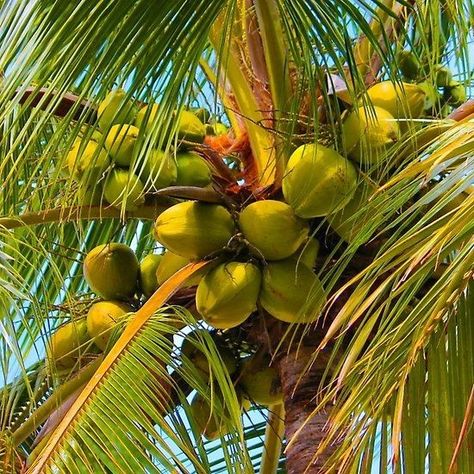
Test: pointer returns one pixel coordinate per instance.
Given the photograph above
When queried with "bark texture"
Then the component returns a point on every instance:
(299, 398)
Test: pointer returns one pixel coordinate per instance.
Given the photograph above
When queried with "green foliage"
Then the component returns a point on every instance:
(404, 334)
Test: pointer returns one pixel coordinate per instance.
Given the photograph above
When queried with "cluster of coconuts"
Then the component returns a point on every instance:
(112, 272)
(268, 255)
(271, 262)
(440, 85)
(265, 251)
(107, 166)
(253, 378)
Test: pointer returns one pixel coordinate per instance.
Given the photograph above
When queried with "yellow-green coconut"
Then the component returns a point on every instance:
(67, 343)
(272, 229)
(368, 133)
(291, 292)
(227, 295)
(193, 229)
(102, 318)
(111, 270)
(260, 382)
(318, 181)
(147, 275)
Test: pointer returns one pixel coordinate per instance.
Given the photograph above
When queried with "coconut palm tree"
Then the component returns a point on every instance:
(381, 376)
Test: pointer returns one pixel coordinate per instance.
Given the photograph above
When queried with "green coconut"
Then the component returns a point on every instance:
(291, 292)
(120, 142)
(201, 113)
(272, 229)
(102, 318)
(308, 253)
(443, 75)
(403, 100)
(116, 108)
(122, 185)
(227, 295)
(147, 274)
(67, 344)
(455, 93)
(158, 170)
(368, 133)
(260, 382)
(217, 129)
(86, 163)
(89, 196)
(190, 128)
(111, 270)
(318, 181)
(150, 112)
(192, 170)
(209, 422)
(170, 264)
(408, 64)
(350, 220)
(193, 229)
(192, 351)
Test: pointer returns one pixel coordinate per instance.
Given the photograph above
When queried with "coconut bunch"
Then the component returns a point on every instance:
(437, 80)
(108, 167)
(266, 259)
(253, 378)
(113, 273)
(378, 121)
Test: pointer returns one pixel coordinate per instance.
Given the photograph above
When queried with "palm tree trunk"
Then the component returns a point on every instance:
(300, 402)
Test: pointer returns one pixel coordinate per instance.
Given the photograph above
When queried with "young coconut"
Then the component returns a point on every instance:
(443, 75)
(191, 349)
(122, 185)
(190, 128)
(348, 221)
(115, 108)
(201, 113)
(193, 229)
(67, 344)
(102, 318)
(260, 382)
(192, 170)
(409, 64)
(158, 170)
(148, 113)
(170, 264)
(209, 421)
(308, 253)
(318, 181)
(120, 142)
(403, 100)
(111, 270)
(291, 292)
(455, 93)
(227, 295)
(273, 229)
(87, 163)
(217, 129)
(89, 196)
(367, 134)
(147, 275)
